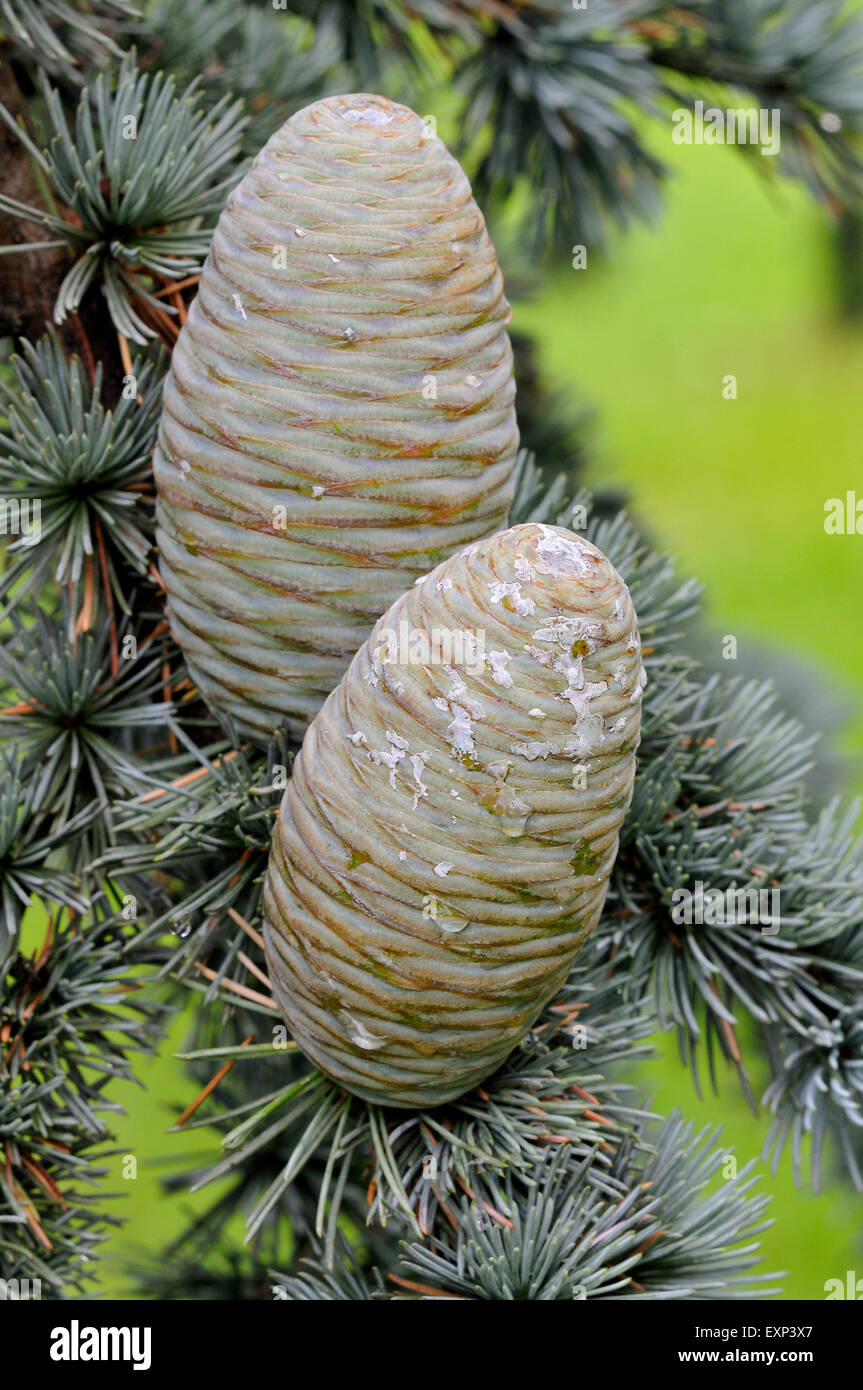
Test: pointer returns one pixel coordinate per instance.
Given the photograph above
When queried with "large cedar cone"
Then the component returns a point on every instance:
(346, 361)
(444, 847)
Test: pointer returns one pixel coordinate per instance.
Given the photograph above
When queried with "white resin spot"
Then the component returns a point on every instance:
(418, 762)
(533, 749)
(460, 730)
(523, 605)
(365, 115)
(360, 1034)
(562, 558)
(458, 691)
(498, 769)
(497, 661)
(390, 758)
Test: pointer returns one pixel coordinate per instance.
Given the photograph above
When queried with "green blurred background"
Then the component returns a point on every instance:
(736, 278)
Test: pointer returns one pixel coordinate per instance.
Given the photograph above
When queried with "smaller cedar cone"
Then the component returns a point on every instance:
(444, 847)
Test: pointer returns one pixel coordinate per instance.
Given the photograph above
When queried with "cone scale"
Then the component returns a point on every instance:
(339, 412)
(444, 847)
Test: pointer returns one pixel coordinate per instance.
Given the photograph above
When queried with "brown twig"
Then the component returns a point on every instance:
(172, 286)
(169, 700)
(256, 971)
(86, 349)
(237, 988)
(210, 1086)
(45, 1181)
(423, 1288)
(126, 359)
(109, 601)
(188, 778)
(85, 617)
